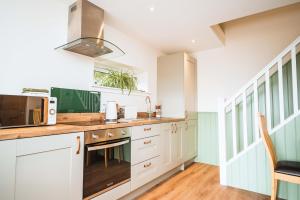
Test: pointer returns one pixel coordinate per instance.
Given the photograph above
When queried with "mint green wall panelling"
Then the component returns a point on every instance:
(260, 166)
(290, 135)
(250, 118)
(208, 147)
(268, 173)
(291, 154)
(243, 172)
(239, 128)
(236, 175)
(274, 97)
(229, 175)
(203, 132)
(286, 141)
(287, 89)
(251, 170)
(214, 142)
(228, 131)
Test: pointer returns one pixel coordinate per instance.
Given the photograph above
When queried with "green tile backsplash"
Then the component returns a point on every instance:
(76, 101)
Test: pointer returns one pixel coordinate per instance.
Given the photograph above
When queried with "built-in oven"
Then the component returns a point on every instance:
(106, 160)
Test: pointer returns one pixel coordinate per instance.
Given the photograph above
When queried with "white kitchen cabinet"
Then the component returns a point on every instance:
(166, 147)
(177, 85)
(7, 169)
(145, 154)
(171, 146)
(189, 140)
(145, 172)
(49, 167)
(140, 132)
(177, 151)
(144, 149)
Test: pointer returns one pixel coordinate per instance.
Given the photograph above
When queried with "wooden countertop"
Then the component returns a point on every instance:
(28, 132)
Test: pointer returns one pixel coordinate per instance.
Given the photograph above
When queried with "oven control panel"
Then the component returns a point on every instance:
(106, 135)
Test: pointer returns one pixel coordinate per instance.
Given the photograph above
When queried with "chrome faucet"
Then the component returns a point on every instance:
(148, 102)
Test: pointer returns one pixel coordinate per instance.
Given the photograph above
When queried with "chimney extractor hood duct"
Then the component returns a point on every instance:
(85, 32)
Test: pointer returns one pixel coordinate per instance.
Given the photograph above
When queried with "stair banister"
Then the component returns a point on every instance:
(232, 102)
(268, 99)
(280, 85)
(245, 126)
(255, 102)
(234, 141)
(294, 77)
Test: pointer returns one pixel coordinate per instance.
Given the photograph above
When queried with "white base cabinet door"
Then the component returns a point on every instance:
(189, 140)
(166, 147)
(171, 146)
(7, 169)
(50, 167)
(177, 151)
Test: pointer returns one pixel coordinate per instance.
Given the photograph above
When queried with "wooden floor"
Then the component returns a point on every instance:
(199, 181)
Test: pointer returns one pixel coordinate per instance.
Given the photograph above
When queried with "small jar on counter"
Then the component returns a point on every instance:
(158, 111)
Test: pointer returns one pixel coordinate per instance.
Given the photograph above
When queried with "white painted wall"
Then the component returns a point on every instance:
(251, 43)
(30, 30)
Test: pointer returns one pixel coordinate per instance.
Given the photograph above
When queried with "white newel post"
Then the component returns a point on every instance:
(222, 141)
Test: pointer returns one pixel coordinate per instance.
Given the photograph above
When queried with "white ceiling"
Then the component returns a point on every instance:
(173, 24)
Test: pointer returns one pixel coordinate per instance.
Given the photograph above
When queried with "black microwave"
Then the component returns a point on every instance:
(23, 111)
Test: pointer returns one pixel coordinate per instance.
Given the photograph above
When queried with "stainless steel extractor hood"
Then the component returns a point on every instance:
(85, 32)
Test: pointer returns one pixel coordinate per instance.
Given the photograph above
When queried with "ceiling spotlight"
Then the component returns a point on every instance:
(151, 8)
(193, 41)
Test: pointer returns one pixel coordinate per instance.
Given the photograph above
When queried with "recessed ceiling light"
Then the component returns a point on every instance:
(151, 8)
(193, 41)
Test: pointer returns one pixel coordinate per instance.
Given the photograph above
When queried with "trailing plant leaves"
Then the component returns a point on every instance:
(117, 79)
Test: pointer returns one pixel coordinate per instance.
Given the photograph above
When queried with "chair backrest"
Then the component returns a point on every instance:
(267, 140)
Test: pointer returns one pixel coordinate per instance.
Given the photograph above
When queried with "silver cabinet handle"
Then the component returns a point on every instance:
(175, 128)
(147, 129)
(78, 145)
(123, 132)
(110, 134)
(147, 165)
(94, 136)
(147, 142)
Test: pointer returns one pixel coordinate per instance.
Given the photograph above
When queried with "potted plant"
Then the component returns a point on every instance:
(117, 79)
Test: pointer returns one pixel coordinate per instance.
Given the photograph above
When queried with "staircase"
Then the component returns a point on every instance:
(275, 92)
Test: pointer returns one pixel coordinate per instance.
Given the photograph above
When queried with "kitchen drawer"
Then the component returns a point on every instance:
(139, 132)
(144, 149)
(144, 172)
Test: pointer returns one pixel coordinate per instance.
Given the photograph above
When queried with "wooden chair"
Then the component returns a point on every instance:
(288, 171)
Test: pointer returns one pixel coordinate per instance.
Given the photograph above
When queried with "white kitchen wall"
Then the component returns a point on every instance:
(30, 30)
(251, 43)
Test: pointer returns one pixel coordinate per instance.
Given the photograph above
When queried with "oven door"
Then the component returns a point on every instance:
(106, 166)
